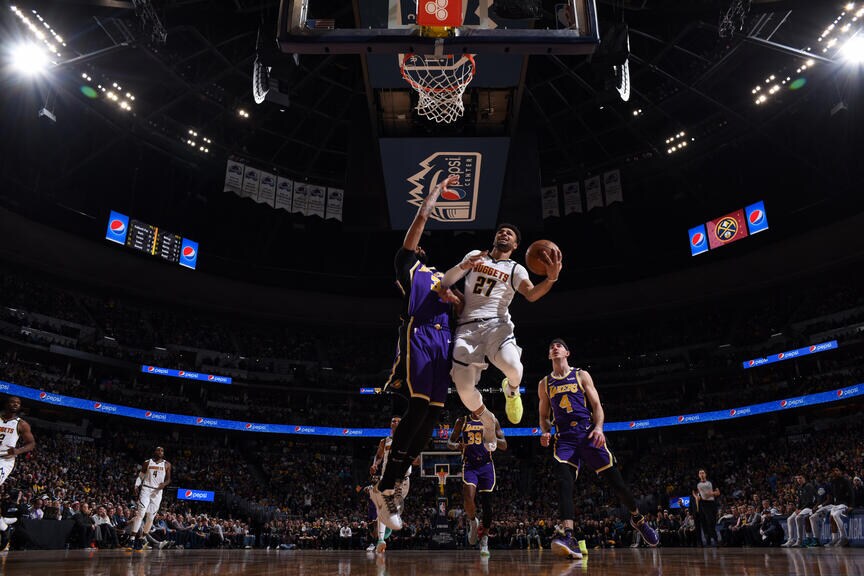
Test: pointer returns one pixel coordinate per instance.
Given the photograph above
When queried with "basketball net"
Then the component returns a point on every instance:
(442, 480)
(440, 82)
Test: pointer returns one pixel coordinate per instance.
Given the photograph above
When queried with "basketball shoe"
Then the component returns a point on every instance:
(513, 405)
(566, 547)
(386, 505)
(484, 545)
(648, 533)
(473, 526)
(381, 547)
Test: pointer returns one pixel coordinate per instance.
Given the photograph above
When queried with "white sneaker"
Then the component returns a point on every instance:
(388, 511)
(473, 525)
(484, 546)
(370, 548)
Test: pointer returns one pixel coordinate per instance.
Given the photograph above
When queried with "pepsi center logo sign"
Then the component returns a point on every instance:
(698, 240)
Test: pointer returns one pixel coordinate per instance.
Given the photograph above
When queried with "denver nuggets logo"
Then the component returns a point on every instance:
(459, 204)
(726, 229)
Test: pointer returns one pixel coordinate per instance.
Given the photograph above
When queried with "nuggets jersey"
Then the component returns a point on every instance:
(8, 434)
(424, 305)
(474, 453)
(388, 442)
(155, 473)
(490, 287)
(569, 404)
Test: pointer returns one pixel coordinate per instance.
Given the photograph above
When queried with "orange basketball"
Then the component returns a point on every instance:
(534, 255)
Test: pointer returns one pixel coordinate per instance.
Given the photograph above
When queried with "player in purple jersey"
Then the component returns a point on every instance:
(422, 360)
(478, 474)
(569, 395)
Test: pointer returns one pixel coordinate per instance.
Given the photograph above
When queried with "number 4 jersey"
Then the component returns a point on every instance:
(569, 404)
(490, 287)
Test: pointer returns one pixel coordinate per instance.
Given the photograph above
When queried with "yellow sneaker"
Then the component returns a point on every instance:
(513, 406)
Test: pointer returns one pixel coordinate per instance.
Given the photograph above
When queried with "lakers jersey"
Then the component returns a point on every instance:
(424, 296)
(569, 403)
(8, 434)
(474, 452)
(155, 473)
(490, 287)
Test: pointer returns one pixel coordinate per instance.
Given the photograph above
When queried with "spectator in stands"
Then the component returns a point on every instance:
(84, 533)
(770, 531)
(858, 486)
(106, 532)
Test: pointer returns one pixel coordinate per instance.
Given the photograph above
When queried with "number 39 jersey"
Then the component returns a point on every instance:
(474, 452)
(569, 403)
(490, 287)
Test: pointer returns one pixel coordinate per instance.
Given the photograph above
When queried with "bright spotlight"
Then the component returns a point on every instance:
(29, 59)
(853, 50)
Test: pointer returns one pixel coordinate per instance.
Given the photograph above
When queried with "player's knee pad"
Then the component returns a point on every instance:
(465, 378)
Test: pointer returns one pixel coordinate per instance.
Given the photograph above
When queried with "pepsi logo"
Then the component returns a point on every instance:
(344, 431)
(148, 414)
(97, 405)
(150, 368)
(732, 412)
(188, 252)
(453, 194)
(632, 424)
(182, 373)
(839, 393)
(812, 348)
(188, 493)
(199, 420)
(783, 403)
(780, 356)
(296, 428)
(752, 362)
(42, 395)
(757, 216)
(680, 418)
(697, 240)
(248, 426)
(210, 377)
(534, 431)
(117, 226)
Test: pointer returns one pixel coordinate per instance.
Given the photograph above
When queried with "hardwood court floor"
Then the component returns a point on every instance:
(620, 562)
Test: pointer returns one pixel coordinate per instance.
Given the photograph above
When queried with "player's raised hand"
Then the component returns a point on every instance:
(552, 261)
(472, 258)
(545, 438)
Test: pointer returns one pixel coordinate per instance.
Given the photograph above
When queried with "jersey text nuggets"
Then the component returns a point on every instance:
(489, 271)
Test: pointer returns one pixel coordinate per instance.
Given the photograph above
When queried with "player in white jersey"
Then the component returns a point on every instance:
(155, 475)
(12, 429)
(484, 329)
(379, 464)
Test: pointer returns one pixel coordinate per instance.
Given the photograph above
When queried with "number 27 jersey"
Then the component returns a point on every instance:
(490, 287)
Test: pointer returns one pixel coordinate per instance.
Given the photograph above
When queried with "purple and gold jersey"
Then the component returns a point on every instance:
(474, 453)
(569, 404)
(424, 297)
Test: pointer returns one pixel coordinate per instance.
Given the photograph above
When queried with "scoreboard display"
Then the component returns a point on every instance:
(152, 240)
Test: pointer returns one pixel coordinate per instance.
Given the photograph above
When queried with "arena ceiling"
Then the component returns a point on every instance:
(693, 65)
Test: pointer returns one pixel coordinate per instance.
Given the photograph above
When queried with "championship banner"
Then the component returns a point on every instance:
(593, 194)
(284, 192)
(413, 166)
(726, 229)
(316, 201)
(572, 198)
(301, 198)
(251, 177)
(335, 198)
(549, 194)
(266, 189)
(233, 177)
(612, 185)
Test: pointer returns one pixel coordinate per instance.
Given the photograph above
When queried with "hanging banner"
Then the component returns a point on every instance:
(251, 177)
(284, 192)
(549, 195)
(316, 200)
(301, 198)
(267, 189)
(593, 194)
(612, 186)
(572, 198)
(335, 197)
(233, 177)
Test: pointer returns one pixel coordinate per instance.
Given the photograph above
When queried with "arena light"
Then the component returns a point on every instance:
(29, 58)
(41, 31)
(853, 50)
(242, 113)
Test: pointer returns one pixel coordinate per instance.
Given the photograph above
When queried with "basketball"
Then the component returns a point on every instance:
(534, 255)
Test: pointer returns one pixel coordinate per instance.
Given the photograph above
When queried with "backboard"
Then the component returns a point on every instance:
(431, 462)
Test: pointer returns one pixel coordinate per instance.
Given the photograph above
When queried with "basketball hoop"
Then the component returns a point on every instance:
(442, 479)
(440, 82)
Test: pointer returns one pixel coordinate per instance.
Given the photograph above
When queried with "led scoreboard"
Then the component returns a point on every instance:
(152, 240)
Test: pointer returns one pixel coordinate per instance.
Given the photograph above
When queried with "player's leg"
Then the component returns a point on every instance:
(792, 538)
(468, 364)
(567, 473)
(144, 494)
(507, 357)
(469, 492)
(485, 486)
